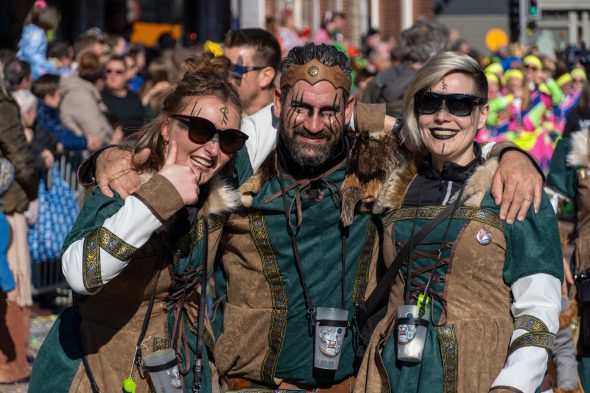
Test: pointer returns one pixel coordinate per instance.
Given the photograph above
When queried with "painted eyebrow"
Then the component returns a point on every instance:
(309, 106)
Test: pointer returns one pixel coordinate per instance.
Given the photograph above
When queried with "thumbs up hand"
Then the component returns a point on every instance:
(184, 178)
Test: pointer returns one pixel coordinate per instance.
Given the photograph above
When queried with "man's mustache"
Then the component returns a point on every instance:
(323, 134)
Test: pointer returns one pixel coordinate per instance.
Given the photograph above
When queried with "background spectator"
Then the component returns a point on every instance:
(32, 47)
(46, 88)
(124, 103)
(82, 108)
(14, 311)
(17, 75)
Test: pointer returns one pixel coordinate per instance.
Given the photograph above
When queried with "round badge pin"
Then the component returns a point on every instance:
(313, 71)
(484, 237)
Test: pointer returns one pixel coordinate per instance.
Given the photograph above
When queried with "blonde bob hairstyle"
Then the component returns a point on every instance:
(433, 71)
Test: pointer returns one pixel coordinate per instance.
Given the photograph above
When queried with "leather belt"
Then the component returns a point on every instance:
(243, 385)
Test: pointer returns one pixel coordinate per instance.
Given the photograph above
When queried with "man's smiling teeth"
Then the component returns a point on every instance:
(202, 162)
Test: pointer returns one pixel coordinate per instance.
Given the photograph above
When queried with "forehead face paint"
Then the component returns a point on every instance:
(312, 122)
(223, 111)
(195, 107)
(444, 84)
(326, 109)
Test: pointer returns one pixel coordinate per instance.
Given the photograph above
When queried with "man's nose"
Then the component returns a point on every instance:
(314, 123)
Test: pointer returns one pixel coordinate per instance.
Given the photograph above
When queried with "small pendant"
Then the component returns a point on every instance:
(484, 237)
(129, 385)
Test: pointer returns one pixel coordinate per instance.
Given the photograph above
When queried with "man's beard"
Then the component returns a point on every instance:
(310, 157)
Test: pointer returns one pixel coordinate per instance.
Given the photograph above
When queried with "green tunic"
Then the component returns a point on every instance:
(266, 334)
(106, 325)
(531, 247)
(569, 175)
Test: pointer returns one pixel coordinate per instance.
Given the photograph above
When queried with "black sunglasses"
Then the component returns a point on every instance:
(201, 130)
(456, 104)
(238, 70)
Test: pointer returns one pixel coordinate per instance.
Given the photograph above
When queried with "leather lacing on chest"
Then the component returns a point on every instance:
(438, 261)
(183, 312)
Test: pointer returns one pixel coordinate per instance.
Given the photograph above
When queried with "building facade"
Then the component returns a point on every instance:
(389, 16)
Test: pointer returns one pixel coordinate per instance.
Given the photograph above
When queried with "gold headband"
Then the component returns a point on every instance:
(314, 72)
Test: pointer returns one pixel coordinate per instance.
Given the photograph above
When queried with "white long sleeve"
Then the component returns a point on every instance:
(537, 296)
(261, 128)
(121, 234)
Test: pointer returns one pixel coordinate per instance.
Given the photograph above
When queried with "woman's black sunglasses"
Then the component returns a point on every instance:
(201, 130)
(456, 104)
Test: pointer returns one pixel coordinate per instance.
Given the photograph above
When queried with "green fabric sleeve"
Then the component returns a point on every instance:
(562, 177)
(532, 246)
(97, 208)
(496, 105)
(500, 103)
(555, 91)
(243, 167)
(536, 114)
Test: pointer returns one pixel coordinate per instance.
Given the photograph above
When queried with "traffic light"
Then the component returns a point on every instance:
(514, 19)
(534, 9)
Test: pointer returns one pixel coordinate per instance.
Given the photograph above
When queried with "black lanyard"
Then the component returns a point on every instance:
(292, 230)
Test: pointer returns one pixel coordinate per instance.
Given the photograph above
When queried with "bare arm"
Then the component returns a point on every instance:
(114, 170)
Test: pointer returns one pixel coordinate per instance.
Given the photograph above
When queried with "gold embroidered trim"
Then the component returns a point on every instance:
(114, 245)
(449, 351)
(197, 232)
(530, 324)
(543, 340)
(362, 272)
(272, 273)
(159, 343)
(430, 212)
(388, 218)
(91, 275)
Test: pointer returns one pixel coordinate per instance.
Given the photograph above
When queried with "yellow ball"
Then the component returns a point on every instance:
(129, 385)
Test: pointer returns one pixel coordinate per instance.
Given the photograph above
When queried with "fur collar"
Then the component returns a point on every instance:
(252, 186)
(394, 189)
(578, 156)
(222, 198)
(376, 160)
(480, 182)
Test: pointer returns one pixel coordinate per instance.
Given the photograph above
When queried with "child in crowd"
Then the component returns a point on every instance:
(46, 88)
(32, 46)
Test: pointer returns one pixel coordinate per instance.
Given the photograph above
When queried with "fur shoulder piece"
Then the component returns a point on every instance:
(222, 198)
(394, 189)
(375, 158)
(578, 156)
(252, 186)
(480, 182)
